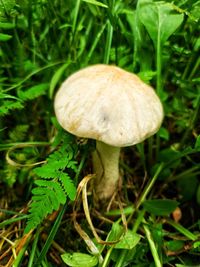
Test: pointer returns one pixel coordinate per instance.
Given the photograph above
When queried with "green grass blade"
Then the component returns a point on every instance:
(51, 236)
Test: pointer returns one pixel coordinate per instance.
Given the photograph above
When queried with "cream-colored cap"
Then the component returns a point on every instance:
(106, 103)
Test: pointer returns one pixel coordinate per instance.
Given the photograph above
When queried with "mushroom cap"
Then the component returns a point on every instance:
(111, 105)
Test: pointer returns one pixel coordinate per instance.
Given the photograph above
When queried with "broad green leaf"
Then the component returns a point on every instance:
(6, 6)
(198, 194)
(96, 3)
(195, 11)
(116, 232)
(127, 239)
(197, 143)
(79, 259)
(146, 76)
(160, 207)
(163, 133)
(187, 184)
(157, 235)
(56, 77)
(160, 19)
(196, 244)
(138, 30)
(170, 155)
(5, 37)
(6, 25)
(175, 245)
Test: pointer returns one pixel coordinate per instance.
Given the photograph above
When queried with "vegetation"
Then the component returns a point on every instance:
(153, 220)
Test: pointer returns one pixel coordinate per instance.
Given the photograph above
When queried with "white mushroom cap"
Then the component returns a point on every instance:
(108, 104)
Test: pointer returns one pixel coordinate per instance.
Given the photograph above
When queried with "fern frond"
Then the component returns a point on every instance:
(8, 105)
(67, 184)
(44, 202)
(33, 92)
(66, 152)
(40, 197)
(54, 185)
(9, 175)
(18, 133)
(46, 171)
(6, 7)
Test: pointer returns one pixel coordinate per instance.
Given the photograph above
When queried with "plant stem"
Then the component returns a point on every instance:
(109, 34)
(51, 236)
(106, 167)
(138, 220)
(158, 67)
(122, 258)
(192, 123)
(150, 150)
(80, 167)
(33, 251)
(107, 258)
(152, 245)
(149, 186)
(182, 230)
(95, 42)
(159, 88)
(140, 148)
(108, 43)
(18, 259)
(193, 171)
(195, 68)
(77, 7)
(123, 254)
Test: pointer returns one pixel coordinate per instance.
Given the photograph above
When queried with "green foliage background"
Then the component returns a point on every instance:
(43, 42)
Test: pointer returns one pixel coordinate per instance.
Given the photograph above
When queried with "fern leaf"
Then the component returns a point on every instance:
(43, 207)
(54, 201)
(59, 164)
(72, 165)
(9, 174)
(60, 194)
(33, 92)
(8, 106)
(48, 199)
(46, 171)
(33, 221)
(41, 183)
(44, 202)
(38, 211)
(18, 133)
(67, 184)
(55, 204)
(54, 185)
(7, 96)
(61, 155)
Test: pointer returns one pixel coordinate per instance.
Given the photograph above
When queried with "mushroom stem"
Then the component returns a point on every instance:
(106, 166)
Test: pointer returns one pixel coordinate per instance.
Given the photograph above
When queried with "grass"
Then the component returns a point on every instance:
(154, 218)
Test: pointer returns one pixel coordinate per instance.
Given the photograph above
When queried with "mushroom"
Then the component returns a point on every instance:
(112, 106)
